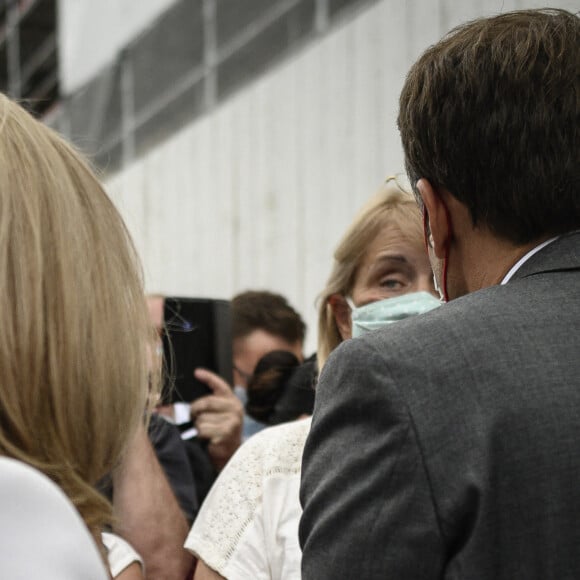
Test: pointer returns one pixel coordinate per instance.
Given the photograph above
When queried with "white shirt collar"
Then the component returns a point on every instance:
(525, 258)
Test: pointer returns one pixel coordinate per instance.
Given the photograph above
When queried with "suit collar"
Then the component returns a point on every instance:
(525, 258)
(562, 254)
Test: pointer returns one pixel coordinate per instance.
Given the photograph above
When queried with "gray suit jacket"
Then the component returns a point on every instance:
(448, 445)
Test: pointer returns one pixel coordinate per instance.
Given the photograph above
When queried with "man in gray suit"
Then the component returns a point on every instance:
(448, 445)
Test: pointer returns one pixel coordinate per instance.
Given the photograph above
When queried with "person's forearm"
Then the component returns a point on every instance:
(204, 572)
(148, 515)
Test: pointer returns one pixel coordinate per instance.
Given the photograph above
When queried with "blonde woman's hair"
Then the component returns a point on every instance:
(392, 206)
(75, 329)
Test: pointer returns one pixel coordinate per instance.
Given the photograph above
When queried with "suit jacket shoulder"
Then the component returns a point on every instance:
(483, 395)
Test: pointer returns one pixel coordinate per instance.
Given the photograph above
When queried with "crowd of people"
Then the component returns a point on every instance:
(431, 436)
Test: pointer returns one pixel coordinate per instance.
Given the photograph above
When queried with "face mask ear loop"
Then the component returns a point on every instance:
(446, 258)
(444, 280)
(425, 235)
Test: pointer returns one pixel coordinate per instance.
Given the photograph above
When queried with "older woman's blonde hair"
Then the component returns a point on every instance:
(73, 320)
(392, 206)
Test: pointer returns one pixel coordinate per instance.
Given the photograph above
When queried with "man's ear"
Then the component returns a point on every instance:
(341, 313)
(437, 217)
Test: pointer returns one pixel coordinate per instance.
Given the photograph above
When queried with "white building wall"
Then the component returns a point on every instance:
(257, 194)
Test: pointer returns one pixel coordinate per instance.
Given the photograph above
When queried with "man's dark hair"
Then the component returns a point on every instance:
(281, 388)
(491, 113)
(261, 310)
(268, 383)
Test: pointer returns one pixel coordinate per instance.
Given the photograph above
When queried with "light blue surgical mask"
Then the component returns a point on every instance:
(378, 314)
(241, 393)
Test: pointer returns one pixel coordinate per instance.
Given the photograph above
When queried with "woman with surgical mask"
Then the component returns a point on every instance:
(381, 272)
(248, 524)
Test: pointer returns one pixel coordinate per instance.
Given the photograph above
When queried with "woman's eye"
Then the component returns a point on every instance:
(392, 283)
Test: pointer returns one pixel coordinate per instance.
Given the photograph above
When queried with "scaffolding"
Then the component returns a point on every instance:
(29, 53)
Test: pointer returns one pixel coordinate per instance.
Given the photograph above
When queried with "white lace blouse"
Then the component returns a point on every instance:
(248, 525)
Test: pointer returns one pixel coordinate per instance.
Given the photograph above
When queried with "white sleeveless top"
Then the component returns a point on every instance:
(41, 533)
(248, 524)
(120, 554)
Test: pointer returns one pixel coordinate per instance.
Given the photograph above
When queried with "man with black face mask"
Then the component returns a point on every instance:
(446, 446)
